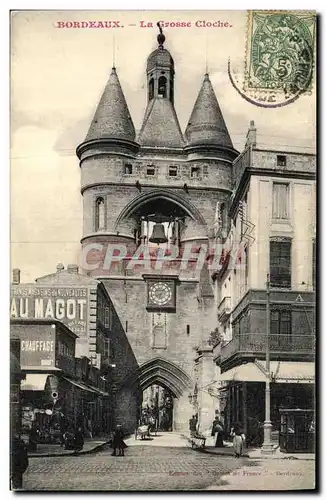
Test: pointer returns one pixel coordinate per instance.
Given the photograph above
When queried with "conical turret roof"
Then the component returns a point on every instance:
(161, 127)
(206, 124)
(112, 119)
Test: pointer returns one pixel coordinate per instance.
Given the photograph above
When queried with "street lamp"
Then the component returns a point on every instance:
(267, 447)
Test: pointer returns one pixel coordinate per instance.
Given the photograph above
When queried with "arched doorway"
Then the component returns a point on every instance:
(157, 408)
(175, 386)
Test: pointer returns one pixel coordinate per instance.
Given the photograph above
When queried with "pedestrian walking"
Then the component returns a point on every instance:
(118, 442)
(193, 426)
(78, 439)
(238, 439)
(218, 433)
(19, 462)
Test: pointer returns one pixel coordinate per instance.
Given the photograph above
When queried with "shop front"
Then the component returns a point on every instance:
(244, 394)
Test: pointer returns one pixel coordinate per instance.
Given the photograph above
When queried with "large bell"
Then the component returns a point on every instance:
(158, 234)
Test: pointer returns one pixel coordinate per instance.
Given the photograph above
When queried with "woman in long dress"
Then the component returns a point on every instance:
(238, 441)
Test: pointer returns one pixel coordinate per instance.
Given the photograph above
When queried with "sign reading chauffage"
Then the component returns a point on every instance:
(66, 304)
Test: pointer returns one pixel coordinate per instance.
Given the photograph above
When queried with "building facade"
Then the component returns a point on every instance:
(271, 239)
(162, 183)
(92, 363)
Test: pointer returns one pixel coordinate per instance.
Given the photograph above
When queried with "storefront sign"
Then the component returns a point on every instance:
(37, 351)
(66, 304)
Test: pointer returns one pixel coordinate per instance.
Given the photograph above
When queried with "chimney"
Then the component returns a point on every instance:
(16, 276)
(251, 135)
(72, 268)
(60, 267)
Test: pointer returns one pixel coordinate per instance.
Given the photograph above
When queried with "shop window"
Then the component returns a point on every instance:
(128, 169)
(99, 214)
(280, 263)
(281, 160)
(280, 200)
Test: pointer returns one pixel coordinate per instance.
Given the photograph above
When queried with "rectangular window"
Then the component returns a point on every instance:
(150, 170)
(280, 200)
(281, 160)
(281, 328)
(280, 264)
(107, 317)
(314, 265)
(173, 171)
(195, 171)
(128, 169)
(246, 253)
(107, 353)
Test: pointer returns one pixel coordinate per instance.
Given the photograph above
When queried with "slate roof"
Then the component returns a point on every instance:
(161, 126)
(112, 118)
(206, 124)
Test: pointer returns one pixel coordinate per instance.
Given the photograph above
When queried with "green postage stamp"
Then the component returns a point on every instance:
(280, 51)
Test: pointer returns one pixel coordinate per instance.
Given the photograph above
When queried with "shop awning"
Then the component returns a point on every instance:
(283, 372)
(34, 382)
(80, 385)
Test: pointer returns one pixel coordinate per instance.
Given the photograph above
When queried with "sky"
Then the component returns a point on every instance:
(57, 77)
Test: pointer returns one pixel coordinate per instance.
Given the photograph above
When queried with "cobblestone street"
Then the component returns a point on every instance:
(164, 463)
(149, 466)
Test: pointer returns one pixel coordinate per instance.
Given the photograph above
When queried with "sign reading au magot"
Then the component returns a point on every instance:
(64, 303)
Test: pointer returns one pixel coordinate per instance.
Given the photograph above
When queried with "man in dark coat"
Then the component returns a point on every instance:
(19, 462)
(218, 433)
(78, 439)
(118, 442)
(193, 425)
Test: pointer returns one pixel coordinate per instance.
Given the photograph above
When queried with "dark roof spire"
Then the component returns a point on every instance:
(206, 124)
(112, 117)
(160, 36)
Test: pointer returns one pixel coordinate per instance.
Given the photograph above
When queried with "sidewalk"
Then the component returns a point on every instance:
(253, 453)
(55, 450)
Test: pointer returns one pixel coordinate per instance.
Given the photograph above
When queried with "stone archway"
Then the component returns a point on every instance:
(168, 375)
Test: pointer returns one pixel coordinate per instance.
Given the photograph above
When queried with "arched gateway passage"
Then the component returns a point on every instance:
(159, 372)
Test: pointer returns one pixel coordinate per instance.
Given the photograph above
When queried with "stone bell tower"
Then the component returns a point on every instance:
(163, 183)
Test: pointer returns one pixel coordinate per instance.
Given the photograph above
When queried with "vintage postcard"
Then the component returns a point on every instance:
(163, 250)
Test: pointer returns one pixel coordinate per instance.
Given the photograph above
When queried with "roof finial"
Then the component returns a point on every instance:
(206, 58)
(113, 53)
(160, 36)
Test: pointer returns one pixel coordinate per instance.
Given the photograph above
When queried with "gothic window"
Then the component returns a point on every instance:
(99, 214)
(171, 91)
(162, 86)
(280, 263)
(280, 200)
(159, 330)
(151, 89)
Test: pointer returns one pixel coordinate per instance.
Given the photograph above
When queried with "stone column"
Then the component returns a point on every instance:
(207, 398)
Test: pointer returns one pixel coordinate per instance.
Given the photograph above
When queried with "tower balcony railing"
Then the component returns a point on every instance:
(255, 343)
(224, 309)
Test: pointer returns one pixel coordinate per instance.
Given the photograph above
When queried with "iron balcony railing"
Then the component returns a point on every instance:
(256, 343)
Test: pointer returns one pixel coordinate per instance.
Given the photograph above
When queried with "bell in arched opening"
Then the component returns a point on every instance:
(158, 234)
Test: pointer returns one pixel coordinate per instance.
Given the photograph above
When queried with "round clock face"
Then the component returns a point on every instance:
(160, 293)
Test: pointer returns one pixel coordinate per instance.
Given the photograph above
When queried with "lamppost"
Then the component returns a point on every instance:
(267, 447)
